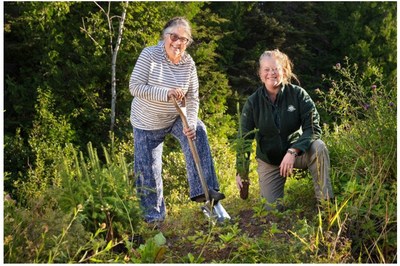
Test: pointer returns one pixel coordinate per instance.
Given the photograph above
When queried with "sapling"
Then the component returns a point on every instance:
(243, 147)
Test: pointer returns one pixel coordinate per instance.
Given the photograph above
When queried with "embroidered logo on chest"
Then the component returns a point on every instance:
(291, 108)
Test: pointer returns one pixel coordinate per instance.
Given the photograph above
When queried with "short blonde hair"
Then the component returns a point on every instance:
(285, 63)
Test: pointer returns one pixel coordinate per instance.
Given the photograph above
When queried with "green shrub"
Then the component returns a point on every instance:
(40, 233)
(363, 149)
(150, 252)
(16, 160)
(105, 191)
(49, 133)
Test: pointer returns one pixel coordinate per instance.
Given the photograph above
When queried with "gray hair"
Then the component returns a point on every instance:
(178, 22)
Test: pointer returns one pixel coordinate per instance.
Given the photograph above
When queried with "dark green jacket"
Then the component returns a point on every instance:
(292, 122)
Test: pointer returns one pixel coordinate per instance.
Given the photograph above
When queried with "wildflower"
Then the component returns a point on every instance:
(391, 104)
(8, 239)
(366, 106)
(373, 87)
(45, 228)
(338, 66)
(8, 198)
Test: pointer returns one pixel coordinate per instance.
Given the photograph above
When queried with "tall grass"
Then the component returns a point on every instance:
(363, 150)
(99, 195)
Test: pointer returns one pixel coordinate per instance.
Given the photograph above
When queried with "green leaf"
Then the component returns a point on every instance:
(160, 239)
(275, 229)
(109, 246)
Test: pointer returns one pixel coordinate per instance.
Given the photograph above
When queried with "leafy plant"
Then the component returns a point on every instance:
(231, 235)
(106, 191)
(259, 209)
(41, 233)
(150, 252)
(16, 154)
(363, 148)
(243, 147)
(49, 133)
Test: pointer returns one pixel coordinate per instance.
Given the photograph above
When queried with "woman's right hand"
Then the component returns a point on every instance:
(190, 133)
(239, 182)
(178, 94)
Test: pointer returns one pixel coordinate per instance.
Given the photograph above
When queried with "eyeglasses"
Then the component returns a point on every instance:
(174, 37)
(270, 70)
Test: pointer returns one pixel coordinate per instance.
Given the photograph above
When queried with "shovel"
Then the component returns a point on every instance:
(216, 211)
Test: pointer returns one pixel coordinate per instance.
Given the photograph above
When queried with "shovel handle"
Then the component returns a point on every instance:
(194, 151)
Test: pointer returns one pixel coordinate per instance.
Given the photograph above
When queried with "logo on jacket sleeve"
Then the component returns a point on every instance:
(291, 108)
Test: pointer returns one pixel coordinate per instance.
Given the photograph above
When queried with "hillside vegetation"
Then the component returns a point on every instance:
(69, 194)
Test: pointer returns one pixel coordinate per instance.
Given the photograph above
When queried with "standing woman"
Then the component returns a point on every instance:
(161, 73)
(288, 133)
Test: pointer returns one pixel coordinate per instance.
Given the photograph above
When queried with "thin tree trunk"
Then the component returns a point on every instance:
(114, 66)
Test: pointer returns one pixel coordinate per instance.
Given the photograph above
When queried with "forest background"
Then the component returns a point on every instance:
(68, 144)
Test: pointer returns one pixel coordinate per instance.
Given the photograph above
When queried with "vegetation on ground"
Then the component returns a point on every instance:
(69, 194)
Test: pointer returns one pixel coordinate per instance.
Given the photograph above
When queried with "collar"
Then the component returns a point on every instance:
(265, 94)
(184, 57)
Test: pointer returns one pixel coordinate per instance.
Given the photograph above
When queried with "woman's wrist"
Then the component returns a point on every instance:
(293, 152)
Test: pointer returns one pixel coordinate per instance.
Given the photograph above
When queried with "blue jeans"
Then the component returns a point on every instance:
(148, 166)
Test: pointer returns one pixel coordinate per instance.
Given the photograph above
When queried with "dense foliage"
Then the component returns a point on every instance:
(68, 182)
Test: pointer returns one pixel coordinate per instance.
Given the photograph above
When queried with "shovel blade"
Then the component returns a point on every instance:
(221, 213)
(218, 212)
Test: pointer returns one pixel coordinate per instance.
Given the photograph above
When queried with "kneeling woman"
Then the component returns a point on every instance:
(288, 134)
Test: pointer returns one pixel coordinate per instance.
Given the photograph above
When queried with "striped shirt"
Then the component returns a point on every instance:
(153, 75)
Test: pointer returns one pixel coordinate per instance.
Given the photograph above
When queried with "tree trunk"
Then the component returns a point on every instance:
(114, 66)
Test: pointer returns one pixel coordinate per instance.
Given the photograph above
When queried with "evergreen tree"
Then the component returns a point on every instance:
(214, 88)
(247, 35)
(315, 35)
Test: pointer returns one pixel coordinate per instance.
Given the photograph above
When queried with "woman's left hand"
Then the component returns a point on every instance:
(178, 94)
(286, 166)
(190, 133)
